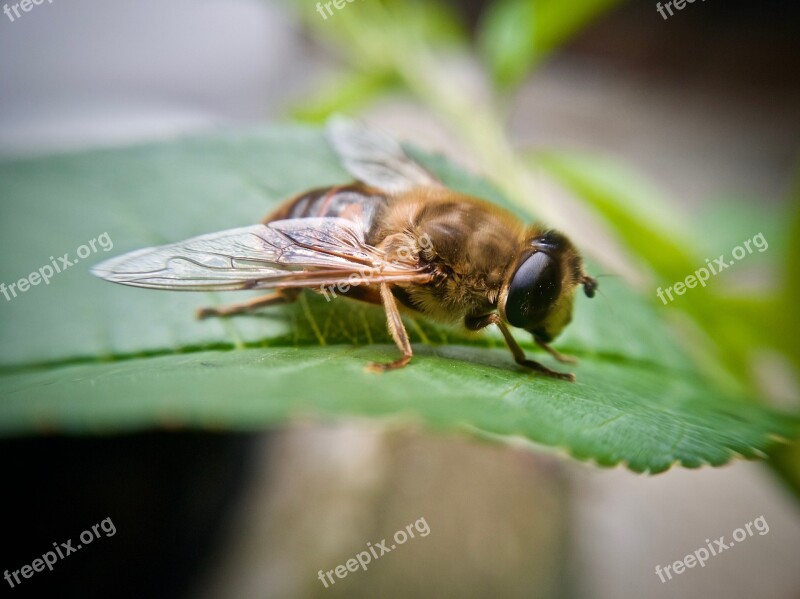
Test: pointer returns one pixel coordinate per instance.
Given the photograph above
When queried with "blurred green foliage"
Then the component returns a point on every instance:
(517, 34)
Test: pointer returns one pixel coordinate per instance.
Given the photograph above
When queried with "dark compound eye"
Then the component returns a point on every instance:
(534, 288)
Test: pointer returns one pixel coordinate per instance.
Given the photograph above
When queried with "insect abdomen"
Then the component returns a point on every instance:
(354, 202)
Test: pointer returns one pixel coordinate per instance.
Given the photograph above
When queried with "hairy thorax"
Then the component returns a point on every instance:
(467, 243)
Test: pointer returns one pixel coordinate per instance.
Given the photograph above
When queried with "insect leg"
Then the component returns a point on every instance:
(283, 296)
(476, 324)
(397, 330)
(555, 353)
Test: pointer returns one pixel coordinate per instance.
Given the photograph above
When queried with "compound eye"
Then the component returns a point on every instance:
(533, 290)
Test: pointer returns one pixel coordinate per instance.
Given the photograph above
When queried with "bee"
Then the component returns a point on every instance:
(395, 237)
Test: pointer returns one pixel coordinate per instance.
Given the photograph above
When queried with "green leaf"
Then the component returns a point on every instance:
(83, 356)
(448, 388)
(516, 34)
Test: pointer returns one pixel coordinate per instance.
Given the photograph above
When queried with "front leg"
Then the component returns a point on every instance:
(480, 322)
(555, 353)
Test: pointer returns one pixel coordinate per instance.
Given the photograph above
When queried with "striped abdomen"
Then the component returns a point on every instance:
(354, 202)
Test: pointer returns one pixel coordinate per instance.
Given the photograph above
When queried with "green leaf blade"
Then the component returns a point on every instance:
(82, 356)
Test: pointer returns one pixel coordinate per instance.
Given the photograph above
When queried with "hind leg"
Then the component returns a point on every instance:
(282, 296)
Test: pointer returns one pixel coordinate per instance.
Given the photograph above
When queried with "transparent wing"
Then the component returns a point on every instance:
(375, 158)
(303, 252)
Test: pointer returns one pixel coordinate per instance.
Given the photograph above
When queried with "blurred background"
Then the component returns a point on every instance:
(704, 105)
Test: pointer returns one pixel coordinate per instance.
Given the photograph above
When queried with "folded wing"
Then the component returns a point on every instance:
(304, 252)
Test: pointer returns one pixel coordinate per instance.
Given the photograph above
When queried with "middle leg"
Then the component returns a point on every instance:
(398, 331)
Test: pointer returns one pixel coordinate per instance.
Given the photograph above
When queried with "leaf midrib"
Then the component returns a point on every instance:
(291, 342)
